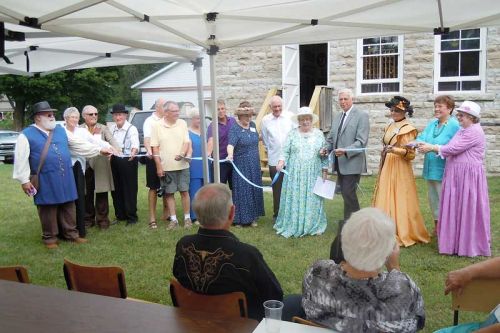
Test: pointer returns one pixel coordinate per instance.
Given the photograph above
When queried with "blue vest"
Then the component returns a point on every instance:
(57, 183)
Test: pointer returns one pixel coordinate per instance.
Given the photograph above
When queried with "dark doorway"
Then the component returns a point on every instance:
(313, 69)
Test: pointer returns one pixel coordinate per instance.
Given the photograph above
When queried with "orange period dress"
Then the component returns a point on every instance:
(396, 190)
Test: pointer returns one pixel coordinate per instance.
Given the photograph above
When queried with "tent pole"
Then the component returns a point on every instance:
(215, 121)
(203, 128)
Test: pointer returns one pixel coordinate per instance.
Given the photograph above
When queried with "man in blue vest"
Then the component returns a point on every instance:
(56, 192)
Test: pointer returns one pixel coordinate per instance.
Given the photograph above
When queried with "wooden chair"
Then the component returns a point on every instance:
(481, 295)
(300, 320)
(231, 304)
(106, 281)
(14, 273)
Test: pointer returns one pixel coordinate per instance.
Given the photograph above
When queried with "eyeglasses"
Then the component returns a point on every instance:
(91, 114)
(48, 115)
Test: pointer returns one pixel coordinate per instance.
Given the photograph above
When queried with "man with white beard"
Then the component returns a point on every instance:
(56, 192)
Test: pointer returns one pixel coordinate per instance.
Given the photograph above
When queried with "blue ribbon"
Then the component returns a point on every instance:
(238, 171)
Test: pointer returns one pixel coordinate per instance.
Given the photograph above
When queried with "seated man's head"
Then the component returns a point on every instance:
(214, 207)
(368, 238)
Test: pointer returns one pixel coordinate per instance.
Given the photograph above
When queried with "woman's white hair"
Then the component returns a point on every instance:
(368, 238)
(192, 112)
(70, 111)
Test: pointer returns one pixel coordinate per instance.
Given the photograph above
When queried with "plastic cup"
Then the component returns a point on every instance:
(273, 310)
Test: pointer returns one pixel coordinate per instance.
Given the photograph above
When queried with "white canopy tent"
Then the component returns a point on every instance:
(217, 24)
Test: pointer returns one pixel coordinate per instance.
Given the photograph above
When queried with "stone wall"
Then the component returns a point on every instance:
(248, 73)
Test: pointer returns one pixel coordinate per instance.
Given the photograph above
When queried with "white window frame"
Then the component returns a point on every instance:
(359, 70)
(482, 67)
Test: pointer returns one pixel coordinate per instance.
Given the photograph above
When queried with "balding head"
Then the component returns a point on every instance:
(159, 107)
(213, 206)
(276, 105)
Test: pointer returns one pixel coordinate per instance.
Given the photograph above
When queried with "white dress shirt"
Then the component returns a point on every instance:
(345, 119)
(126, 143)
(148, 125)
(84, 134)
(274, 133)
(22, 169)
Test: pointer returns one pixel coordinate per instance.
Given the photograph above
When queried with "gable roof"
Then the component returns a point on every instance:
(138, 85)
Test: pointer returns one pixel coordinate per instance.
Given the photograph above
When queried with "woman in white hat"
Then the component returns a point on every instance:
(464, 213)
(301, 211)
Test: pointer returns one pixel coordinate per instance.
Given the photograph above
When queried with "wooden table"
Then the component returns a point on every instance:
(30, 308)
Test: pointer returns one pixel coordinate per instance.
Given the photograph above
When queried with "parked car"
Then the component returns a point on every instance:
(7, 145)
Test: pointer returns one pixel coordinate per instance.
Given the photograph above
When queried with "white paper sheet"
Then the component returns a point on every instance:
(325, 189)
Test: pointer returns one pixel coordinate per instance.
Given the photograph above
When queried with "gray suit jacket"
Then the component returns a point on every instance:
(353, 135)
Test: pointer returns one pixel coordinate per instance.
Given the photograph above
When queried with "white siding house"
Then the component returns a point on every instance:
(176, 82)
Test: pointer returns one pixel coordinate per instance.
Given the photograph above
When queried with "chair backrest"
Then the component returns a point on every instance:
(14, 273)
(300, 320)
(231, 304)
(106, 281)
(481, 295)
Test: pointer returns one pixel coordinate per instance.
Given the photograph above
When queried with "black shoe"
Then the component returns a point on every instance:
(114, 222)
(131, 222)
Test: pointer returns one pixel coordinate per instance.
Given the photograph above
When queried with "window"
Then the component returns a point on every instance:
(460, 61)
(379, 65)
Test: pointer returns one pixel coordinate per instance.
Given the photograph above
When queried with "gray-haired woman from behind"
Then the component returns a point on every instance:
(356, 295)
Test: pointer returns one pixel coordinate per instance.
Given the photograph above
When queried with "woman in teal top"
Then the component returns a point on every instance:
(438, 131)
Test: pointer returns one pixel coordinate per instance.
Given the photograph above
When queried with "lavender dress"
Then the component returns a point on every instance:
(464, 218)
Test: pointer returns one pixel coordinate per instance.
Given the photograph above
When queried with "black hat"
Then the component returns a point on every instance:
(401, 103)
(42, 106)
(119, 108)
(398, 102)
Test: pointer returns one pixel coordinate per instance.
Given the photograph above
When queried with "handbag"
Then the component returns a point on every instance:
(34, 177)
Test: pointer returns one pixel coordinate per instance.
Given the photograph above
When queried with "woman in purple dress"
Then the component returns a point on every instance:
(243, 149)
(464, 213)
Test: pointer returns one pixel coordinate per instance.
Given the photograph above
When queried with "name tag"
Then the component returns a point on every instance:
(252, 129)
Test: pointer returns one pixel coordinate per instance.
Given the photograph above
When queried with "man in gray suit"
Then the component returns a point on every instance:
(350, 129)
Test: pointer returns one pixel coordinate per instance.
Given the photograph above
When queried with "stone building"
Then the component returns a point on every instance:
(463, 64)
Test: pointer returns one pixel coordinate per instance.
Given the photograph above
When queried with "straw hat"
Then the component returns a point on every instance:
(304, 111)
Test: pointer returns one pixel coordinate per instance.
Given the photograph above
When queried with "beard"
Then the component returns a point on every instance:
(48, 123)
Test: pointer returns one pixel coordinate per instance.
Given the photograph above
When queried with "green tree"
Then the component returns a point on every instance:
(128, 76)
(71, 88)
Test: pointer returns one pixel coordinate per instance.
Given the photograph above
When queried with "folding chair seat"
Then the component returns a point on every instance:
(231, 304)
(14, 273)
(105, 280)
(481, 295)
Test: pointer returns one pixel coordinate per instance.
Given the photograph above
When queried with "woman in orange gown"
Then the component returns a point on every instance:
(396, 190)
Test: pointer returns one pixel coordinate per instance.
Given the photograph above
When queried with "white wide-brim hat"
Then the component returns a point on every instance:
(471, 108)
(304, 111)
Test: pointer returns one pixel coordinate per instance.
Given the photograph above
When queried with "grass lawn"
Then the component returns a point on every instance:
(146, 255)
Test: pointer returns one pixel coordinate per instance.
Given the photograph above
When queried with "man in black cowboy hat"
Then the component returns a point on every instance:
(125, 167)
(51, 161)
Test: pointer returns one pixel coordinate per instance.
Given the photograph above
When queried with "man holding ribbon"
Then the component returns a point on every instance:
(275, 128)
(125, 166)
(349, 133)
(170, 145)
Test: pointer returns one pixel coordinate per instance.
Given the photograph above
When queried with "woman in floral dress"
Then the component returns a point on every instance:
(301, 211)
